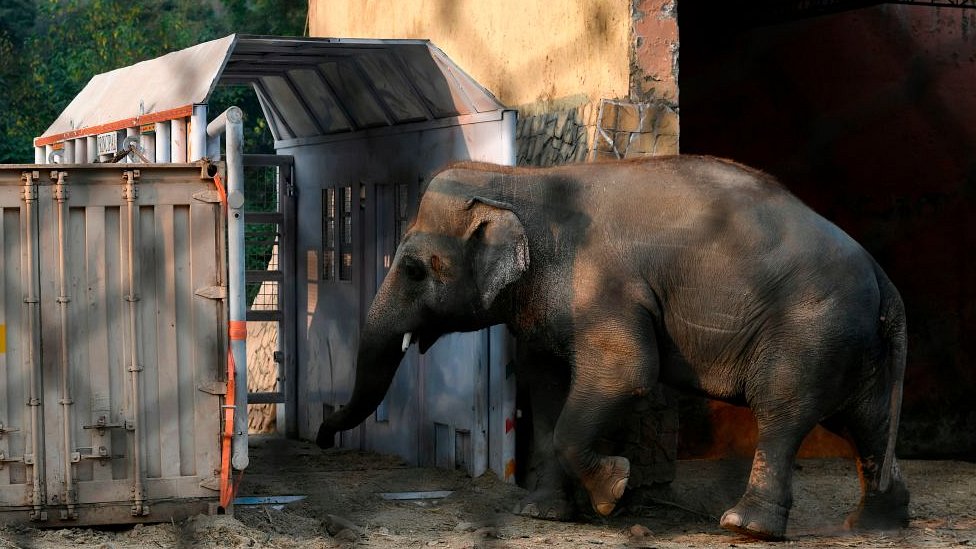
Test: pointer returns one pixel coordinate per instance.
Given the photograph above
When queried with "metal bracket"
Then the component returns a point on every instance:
(101, 456)
(212, 292)
(4, 460)
(210, 197)
(102, 423)
(5, 430)
(30, 184)
(216, 388)
(211, 483)
(129, 189)
(60, 188)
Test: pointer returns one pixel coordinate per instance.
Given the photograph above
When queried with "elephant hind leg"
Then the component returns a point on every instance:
(867, 428)
(763, 511)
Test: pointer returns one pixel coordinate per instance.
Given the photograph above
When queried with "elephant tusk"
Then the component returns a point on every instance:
(406, 341)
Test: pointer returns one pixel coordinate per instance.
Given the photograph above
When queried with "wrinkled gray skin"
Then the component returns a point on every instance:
(695, 272)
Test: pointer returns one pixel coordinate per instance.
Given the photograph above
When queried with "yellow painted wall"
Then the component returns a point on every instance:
(534, 55)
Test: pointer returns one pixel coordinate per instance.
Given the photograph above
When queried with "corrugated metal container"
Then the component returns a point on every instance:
(112, 345)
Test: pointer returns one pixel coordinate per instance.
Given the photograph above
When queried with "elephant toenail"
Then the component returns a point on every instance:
(731, 518)
(618, 488)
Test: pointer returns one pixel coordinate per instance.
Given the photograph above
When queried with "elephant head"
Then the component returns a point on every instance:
(452, 265)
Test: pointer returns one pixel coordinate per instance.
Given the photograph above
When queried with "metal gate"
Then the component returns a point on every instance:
(269, 253)
(112, 343)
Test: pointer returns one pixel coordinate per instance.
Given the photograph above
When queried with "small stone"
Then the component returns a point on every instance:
(638, 531)
(336, 524)
(347, 535)
(486, 532)
(466, 527)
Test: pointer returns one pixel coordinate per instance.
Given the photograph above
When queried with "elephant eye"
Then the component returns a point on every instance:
(414, 269)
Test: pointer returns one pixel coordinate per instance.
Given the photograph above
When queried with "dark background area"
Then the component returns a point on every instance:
(869, 115)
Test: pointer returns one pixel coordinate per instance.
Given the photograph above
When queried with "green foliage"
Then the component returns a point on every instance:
(49, 50)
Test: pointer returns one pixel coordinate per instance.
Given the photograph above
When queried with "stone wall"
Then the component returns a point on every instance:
(599, 131)
(552, 138)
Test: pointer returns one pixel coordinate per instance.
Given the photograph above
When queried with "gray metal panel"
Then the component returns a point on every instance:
(451, 385)
(358, 100)
(180, 343)
(329, 114)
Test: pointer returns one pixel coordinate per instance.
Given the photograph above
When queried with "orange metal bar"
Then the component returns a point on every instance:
(237, 330)
(161, 116)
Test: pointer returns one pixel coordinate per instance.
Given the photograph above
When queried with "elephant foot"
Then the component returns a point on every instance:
(607, 483)
(757, 519)
(547, 505)
(326, 437)
(881, 511)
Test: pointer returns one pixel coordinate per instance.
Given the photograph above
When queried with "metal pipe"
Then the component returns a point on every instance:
(81, 150)
(61, 196)
(147, 141)
(231, 123)
(163, 142)
(68, 152)
(91, 146)
(178, 140)
(213, 147)
(32, 304)
(130, 193)
(198, 132)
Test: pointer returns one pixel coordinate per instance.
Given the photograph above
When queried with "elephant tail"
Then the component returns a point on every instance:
(895, 334)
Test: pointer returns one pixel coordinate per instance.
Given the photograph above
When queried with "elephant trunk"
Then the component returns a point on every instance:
(377, 362)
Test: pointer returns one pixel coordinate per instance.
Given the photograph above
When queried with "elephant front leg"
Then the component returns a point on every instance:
(612, 370)
(547, 380)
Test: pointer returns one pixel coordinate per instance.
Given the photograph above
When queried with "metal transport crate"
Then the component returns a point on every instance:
(112, 343)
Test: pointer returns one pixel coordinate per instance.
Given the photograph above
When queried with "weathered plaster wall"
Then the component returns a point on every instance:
(536, 56)
(554, 61)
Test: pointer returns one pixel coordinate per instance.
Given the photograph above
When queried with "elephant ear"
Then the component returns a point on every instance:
(500, 247)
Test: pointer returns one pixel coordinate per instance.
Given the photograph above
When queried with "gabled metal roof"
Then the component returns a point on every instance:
(307, 86)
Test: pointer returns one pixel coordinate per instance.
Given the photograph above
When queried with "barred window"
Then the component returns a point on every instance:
(337, 233)
(401, 212)
(345, 236)
(328, 233)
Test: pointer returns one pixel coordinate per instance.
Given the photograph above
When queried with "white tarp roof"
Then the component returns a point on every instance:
(307, 86)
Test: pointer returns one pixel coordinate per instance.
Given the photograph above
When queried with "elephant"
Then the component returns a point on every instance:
(695, 272)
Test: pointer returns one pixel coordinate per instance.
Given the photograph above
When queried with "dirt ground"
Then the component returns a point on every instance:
(343, 508)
